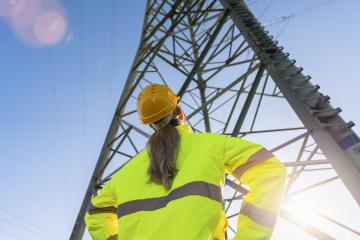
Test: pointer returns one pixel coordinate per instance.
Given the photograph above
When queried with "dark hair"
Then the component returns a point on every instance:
(162, 148)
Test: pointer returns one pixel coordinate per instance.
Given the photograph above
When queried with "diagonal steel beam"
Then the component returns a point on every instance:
(248, 101)
(224, 90)
(200, 80)
(203, 53)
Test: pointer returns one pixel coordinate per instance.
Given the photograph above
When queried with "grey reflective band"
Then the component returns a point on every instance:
(258, 157)
(165, 121)
(94, 210)
(197, 188)
(258, 215)
(113, 237)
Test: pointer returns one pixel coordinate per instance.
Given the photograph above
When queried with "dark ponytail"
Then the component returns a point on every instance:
(162, 148)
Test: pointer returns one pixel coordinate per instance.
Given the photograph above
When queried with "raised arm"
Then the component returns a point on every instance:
(101, 217)
(259, 169)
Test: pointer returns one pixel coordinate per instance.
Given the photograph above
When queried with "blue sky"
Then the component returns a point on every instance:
(56, 103)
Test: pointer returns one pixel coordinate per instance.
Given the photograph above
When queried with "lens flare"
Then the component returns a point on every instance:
(49, 28)
(35, 22)
(5, 8)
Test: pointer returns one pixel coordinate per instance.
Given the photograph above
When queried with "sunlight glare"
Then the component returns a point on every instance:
(302, 212)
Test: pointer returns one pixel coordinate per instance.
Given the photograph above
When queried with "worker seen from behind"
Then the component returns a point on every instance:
(172, 190)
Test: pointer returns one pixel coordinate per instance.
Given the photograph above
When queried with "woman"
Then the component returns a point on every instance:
(172, 189)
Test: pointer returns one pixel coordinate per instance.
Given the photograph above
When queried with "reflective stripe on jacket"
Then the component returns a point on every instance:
(133, 208)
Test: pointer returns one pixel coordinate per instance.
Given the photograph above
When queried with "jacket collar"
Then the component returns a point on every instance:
(184, 129)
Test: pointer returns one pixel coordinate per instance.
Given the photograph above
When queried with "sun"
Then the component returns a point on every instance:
(302, 212)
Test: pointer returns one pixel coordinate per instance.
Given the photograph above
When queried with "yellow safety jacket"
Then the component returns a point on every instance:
(131, 207)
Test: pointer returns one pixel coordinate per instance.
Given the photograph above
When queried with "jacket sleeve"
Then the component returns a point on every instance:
(101, 217)
(256, 167)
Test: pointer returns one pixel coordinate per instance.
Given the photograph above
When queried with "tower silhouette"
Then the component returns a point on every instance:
(233, 78)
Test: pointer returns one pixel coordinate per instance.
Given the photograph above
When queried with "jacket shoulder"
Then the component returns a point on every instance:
(132, 163)
(210, 136)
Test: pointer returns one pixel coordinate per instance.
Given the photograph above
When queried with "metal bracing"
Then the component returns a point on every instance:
(233, 79)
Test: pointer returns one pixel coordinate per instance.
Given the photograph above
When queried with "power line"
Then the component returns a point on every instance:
(24, 228)
(278, 20)
(55, 107)
(82, 78)
(10, 235)
(266, 9)
(25, 221)
(314, 6)
(113, 39)
(287, 18)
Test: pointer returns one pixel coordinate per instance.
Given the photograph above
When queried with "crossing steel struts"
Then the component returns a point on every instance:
(233, 78)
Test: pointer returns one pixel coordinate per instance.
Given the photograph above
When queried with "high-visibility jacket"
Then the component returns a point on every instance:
(131, 207)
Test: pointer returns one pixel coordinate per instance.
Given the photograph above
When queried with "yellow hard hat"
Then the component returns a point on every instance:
(155, 102)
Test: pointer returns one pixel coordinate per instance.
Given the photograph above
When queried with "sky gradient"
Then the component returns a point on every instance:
(56, 103)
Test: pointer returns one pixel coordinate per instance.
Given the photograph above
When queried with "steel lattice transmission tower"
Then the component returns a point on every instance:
(233, 79)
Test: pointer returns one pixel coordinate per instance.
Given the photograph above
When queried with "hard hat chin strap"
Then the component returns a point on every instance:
(162, 123)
